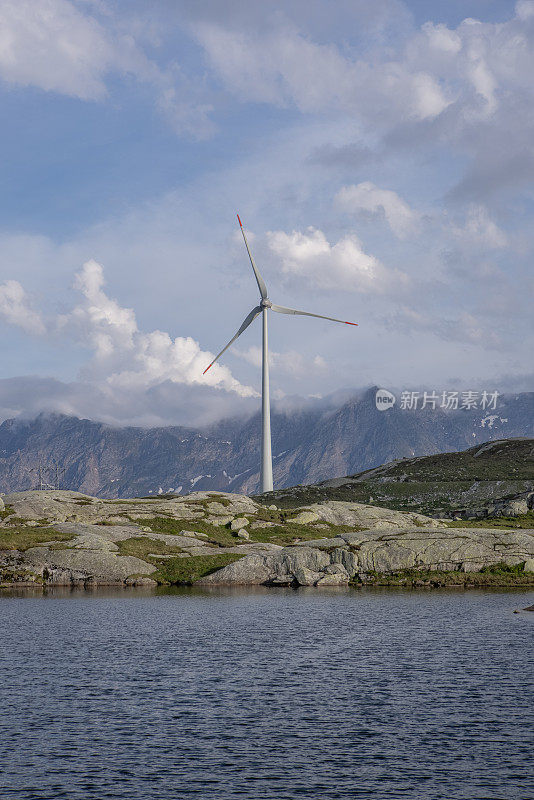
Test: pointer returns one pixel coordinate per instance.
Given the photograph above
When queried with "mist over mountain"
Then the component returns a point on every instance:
(310, 444)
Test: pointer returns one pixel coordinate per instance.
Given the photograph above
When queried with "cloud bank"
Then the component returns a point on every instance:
(131, 375)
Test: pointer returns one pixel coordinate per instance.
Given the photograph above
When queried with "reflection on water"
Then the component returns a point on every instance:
(266, 693)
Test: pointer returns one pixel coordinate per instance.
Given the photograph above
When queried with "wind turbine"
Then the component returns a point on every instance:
(266, 473)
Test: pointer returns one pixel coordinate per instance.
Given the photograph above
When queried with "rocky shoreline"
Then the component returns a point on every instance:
(364, 557)
(65, 538)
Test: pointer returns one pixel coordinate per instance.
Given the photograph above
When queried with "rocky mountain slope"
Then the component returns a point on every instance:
(494, 479)
(309, 445)
(71, 539)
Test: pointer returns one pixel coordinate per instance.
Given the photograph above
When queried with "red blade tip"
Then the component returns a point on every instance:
(207, 368)
(352, 323)
(240, 223)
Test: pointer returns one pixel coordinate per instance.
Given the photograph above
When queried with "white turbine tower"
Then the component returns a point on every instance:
(266, 474)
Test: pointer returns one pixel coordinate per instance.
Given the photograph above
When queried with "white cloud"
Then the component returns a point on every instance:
(51, 44)
(442, 40)
(14, 307)
(284, 67)
(480, 64)
(479, 229)
(127, 358)
(524, 9)
(343, 265)
(368, 197)
(463, 327)
(184, 113)
(277, 54)
(290, 361)
(167, 403)
(55, 46)
(131, 375)
(439, 80)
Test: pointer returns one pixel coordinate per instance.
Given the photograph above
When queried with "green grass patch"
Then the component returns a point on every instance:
(282, 532)
(287, 533)
(173, 570)
(21, 538)
(143, 547)
(497, 575)
(218, 535)
(164, 496)
(6, 511)
(525, 521)
(217, 498)
(18, 575)
(504, 569)
(189, 570)
(126, 501)
(19, 521)
(206, 501)
(178, 527)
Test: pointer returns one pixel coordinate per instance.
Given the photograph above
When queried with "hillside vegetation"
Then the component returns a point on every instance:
(480, 482)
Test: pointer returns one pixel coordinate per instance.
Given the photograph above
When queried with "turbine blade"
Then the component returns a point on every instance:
(284, 310)
(246, 322)
(259, 279)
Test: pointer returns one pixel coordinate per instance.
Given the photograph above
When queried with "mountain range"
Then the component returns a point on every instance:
(311, 443)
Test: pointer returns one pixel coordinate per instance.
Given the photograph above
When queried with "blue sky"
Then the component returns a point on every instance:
(382, 159)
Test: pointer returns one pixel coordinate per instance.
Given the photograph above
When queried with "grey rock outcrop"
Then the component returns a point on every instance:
(336, 561)
(72, 565)
(515, 508)
(238, 524)
(305, 517)
(74, 507)
(363, 515)
(66, 506)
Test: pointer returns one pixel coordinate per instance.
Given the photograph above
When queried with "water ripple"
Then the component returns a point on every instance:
(274, 695)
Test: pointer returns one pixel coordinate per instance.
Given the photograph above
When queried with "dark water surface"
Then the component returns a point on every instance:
(269, 694)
